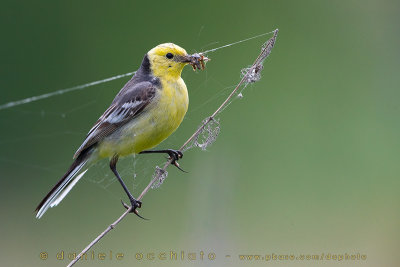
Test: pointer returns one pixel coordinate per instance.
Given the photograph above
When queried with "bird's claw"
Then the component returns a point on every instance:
(135, 204)
(176, 164)
(174, 156)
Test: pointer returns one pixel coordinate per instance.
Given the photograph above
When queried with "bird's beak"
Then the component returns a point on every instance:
(197, 61)
(185, 59)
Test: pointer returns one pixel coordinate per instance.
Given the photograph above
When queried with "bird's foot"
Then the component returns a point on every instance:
(135, 204)
(174, 156)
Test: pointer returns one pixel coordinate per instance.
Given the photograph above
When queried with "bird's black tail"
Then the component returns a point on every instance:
(62, 188)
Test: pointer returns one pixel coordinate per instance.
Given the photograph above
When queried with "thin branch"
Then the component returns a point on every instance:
(251, 75)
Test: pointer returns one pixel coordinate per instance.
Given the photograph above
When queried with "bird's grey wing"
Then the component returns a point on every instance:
(128, 104)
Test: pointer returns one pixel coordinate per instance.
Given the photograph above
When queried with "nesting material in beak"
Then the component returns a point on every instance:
(197, 60)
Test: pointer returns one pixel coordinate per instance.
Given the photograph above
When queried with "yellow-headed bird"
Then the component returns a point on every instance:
(148, 109)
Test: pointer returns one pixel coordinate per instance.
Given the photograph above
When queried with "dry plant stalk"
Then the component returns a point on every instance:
(249, 75)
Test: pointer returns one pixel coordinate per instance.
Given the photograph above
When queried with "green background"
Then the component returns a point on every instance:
(306, 163)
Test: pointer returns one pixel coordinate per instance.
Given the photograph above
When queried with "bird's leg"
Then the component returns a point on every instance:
(174, 155)
(135, 203)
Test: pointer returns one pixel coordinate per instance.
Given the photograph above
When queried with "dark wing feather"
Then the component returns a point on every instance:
(128, 104)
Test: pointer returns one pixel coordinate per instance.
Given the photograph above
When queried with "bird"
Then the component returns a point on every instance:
(148, 109)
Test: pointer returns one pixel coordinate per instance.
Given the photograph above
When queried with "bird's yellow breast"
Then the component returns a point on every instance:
(158, 121)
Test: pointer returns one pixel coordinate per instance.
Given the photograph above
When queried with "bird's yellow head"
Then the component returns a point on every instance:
(167, 60)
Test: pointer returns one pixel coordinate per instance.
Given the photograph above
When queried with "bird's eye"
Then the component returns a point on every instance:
(169, 55)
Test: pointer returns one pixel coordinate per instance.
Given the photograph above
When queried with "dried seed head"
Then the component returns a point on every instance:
(160, 175)
(206, 136)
